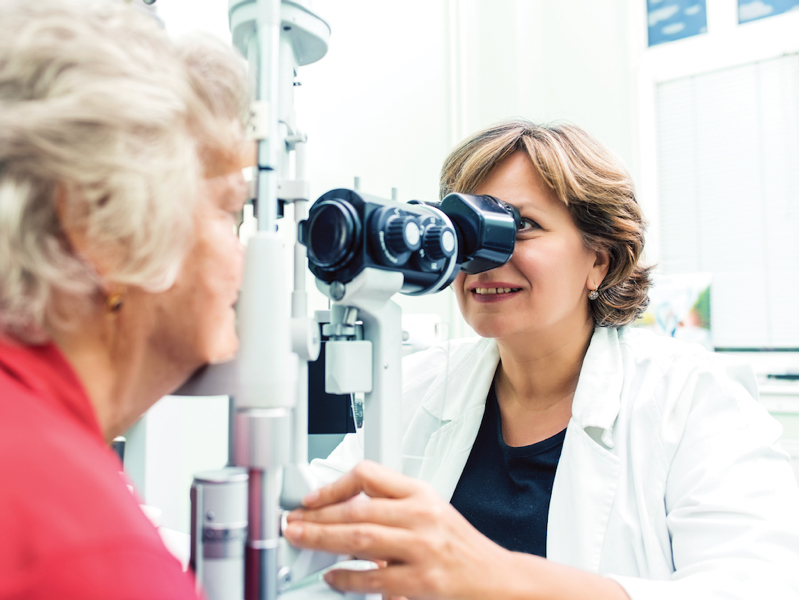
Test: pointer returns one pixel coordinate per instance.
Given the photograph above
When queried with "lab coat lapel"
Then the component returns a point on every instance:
(580, 505)
(448, 450)
(459, 405)
(588, 470)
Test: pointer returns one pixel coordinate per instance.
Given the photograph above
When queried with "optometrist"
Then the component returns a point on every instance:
(563, 454)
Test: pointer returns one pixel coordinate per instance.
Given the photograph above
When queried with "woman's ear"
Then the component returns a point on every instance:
(73, 232)
(599, 270)
(73, 225)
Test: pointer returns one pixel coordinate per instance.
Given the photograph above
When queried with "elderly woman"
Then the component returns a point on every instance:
(119, 269)
(580, 458)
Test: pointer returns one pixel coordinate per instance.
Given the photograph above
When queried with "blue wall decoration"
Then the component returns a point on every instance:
(751, 10)
(669, 20)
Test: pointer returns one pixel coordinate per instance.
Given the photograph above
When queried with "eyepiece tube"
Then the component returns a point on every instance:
(486, 227)
(347, 231)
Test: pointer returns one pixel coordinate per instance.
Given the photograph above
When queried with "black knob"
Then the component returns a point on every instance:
(439, 242)
(402, 235)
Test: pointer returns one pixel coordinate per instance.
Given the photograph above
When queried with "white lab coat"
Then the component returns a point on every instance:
(670, 479)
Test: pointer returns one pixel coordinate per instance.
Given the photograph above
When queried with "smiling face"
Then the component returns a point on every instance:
(543, 290)
(196, 319)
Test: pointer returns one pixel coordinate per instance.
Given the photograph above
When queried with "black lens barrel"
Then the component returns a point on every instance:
(486, 227)
(347, 231)
(336, 231)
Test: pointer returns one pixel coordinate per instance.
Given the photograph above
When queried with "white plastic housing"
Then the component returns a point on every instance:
(267, 365)
(348, 367)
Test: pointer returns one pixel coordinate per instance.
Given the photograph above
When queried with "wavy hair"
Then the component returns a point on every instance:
(104, 125)
(590, 181)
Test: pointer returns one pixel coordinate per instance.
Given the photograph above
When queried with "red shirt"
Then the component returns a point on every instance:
(69, 526)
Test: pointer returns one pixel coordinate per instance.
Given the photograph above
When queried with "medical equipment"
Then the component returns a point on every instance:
(428, 243)
(362, 250)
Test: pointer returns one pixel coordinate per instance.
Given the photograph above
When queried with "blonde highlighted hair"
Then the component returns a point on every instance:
(104, 123)
(590, 181)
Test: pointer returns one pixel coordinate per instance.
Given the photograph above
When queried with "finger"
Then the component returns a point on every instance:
(391, 513)
(367, 541)
(369, 477)
(396, 582)
(364, 582)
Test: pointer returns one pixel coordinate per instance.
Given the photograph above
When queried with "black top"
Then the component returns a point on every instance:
(505, 491)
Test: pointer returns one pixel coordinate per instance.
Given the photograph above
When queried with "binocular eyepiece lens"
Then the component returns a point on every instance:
(335, 230)
(348, 231)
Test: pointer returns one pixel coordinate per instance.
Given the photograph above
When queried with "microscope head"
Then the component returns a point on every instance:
(347, 231)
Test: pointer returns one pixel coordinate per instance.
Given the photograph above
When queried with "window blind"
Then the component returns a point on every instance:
(728, 171)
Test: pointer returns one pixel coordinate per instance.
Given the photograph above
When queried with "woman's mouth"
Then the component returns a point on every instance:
(504, 290)
(493, 294)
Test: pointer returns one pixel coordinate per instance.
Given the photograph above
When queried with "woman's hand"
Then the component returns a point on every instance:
(429, 549)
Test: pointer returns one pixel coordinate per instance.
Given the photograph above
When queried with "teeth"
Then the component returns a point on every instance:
(494, 290)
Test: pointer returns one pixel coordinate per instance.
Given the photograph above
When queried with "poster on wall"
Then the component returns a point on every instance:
(752, 10)
(680, 307)
(670, 20)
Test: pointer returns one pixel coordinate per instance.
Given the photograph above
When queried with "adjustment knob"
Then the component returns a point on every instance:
(439, 242)
(403, 235)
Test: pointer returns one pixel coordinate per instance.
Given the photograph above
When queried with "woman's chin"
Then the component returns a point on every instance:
(490, 330)
(222, 349)
(225, 353)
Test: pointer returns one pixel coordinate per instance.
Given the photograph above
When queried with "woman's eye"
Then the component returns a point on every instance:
(527, 225)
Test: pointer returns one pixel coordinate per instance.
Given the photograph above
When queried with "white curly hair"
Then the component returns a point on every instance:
(105, 125)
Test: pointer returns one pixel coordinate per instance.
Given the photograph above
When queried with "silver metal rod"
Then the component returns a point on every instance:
(231, 431)
(261, 554)
(300, 442)
(268, 82)
(267, 197)
(300, 310)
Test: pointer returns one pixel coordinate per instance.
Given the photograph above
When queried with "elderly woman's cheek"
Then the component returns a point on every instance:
(225, 280)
